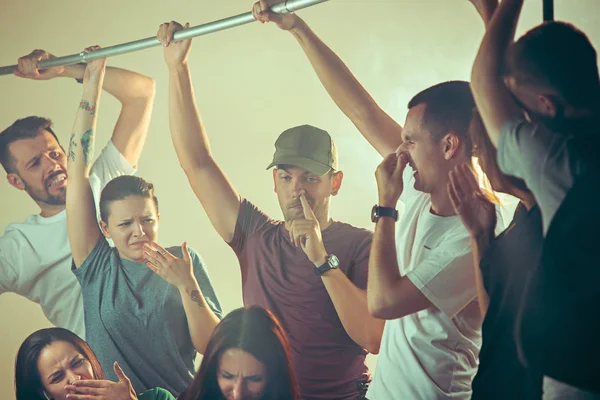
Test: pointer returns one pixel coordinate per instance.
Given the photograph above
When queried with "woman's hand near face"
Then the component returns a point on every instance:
(102, 389)
(177, 271)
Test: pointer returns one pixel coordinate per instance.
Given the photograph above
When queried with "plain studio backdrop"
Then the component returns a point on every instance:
(251, 82)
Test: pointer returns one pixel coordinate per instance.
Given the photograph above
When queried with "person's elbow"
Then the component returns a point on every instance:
(379, 307)
(148, 88)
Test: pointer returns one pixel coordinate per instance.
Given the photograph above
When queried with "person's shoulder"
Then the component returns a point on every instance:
(354, 233)
(249, 207)
(35, 220)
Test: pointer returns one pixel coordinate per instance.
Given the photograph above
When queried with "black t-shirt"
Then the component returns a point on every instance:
(506, 267)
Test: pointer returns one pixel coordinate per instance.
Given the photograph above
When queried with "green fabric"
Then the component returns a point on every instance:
(156, 394)
(306, 147)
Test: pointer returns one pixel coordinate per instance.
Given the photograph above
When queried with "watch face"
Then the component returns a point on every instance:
(334, 262)
(374, 213)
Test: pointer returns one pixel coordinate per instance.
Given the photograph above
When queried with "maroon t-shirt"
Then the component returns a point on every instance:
(280, 277)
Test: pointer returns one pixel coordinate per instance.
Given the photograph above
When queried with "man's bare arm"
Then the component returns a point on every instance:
(134, 91)
(493, 100)
(217, 195)
(380, 130)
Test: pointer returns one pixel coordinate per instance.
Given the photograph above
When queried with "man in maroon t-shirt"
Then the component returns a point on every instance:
(310, 271)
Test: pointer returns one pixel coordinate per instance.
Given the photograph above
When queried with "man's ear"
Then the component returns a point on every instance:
(337, 182)
(15, 180)
(451, 144)
(275, 180)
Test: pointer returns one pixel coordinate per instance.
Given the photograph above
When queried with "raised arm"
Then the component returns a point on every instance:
(478, 215)
(380, 130)
(133, 90)
(218, 197)
(493, 100)
(486, 9)
(81, 211)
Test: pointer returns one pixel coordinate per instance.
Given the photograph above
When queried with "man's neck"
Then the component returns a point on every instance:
(48, 211)
(440, 203)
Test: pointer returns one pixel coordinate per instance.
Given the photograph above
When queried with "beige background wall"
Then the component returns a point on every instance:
(251, 82)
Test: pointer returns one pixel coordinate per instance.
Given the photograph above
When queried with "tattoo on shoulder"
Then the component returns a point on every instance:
(72, 146)
(87, 145)
(197, 297)
(85, 105)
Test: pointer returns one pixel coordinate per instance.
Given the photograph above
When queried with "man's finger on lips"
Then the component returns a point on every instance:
(308, 212)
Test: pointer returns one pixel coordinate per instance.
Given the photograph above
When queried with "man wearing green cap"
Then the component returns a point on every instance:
(309, 270)
(421, 272)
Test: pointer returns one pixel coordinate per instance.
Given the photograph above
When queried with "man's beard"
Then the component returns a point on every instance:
(44, 196)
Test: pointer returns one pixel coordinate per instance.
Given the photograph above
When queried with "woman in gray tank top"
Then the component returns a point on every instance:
(149, 308)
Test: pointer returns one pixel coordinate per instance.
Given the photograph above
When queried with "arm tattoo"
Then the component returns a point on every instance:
(87, 141)
(72, 146)
(85, 105)
(196, 297)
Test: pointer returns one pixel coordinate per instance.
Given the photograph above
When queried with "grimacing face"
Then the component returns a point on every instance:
(240, 375)
(425, 156)
(132, 222)
(291, 182)
(60, 364)
(41, 169)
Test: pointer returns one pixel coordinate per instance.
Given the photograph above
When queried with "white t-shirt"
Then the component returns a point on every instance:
(431, 354)
(35, 255)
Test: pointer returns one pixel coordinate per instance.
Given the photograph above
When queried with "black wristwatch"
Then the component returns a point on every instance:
(332, 262)
(379, 211)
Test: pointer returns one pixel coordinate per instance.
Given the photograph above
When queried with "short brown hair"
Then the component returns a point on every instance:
(559, 56)
(449, 108)
(25, 128)
(122, 187)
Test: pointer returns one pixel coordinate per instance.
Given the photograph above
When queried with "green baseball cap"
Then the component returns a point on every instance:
(306, 147)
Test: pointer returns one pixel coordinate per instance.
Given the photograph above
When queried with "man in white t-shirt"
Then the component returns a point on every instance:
(423, 282)
(431, 342)
(35, 256)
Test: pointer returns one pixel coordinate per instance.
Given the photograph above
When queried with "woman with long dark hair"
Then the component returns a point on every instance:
(247, 357)
(52, 363)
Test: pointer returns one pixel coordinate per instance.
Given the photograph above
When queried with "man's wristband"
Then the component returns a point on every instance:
(380, 211)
